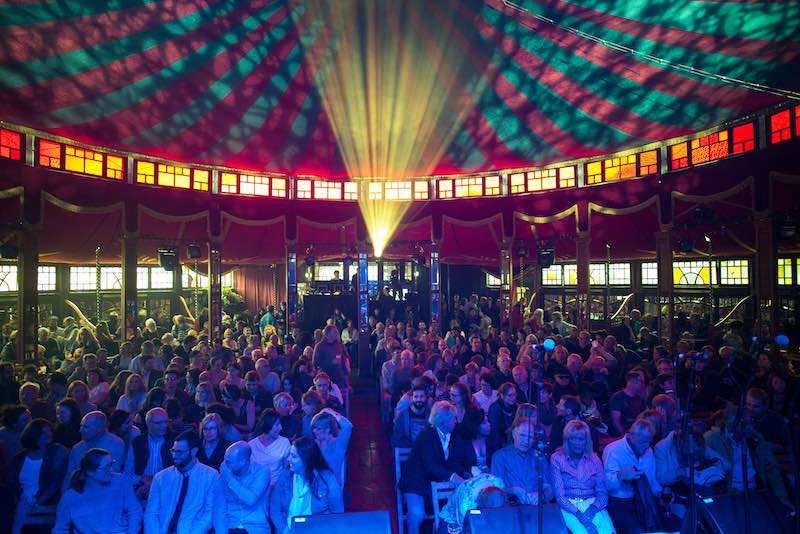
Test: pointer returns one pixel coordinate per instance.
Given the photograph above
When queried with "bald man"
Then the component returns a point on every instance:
(245, 485)
(95, 434)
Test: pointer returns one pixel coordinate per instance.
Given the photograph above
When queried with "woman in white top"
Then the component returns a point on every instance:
(486, 395)
(332, 432)
(269, 448)
(135, 394)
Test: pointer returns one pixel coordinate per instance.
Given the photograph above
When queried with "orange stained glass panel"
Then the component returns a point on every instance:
(517, 183)
(10, 144)
(228, 182)
(648, 162)
(620, 168)
(83, 161)
(278, 187)
(174, 176)
(445, 188)
(566, 176)
(594, 172)
(115, 167)
(744, 138)
(200, 178)
(679, 156)
(49, 154)
(710, 147)
(797, 121)
(780, 126)
(145, 172)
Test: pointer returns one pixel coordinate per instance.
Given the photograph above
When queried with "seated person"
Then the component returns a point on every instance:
(768, 423)
(516, 464)
(579, 483)
(672, 460)
(568, 409)
(626, 405)
(411, 420)
(480, 492)
(438, 455)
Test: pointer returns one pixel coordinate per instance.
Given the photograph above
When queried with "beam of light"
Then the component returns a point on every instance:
(396, 91)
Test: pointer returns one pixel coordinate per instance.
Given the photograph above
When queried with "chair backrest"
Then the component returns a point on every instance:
(41, 515)
(400, 456)
(440, 492)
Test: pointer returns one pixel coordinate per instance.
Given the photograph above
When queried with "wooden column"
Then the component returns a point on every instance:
(291, 286)
(27, 278)
(766, 265)
(435, 284)
(214, 289)
(128, 295)
(582, 256)
(365, 367)
(506, 278)
(665, 293)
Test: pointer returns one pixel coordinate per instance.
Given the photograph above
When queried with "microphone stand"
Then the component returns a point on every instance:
(740, 426)
(540, 441)
(794, 439)
(691, 515)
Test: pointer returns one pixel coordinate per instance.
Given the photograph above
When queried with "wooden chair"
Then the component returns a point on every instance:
(400, 457)
(440, 492)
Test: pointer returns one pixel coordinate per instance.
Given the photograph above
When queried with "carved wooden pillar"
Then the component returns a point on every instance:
(130, 256)
(27, 275)
(582, 304)
(766, 261)
(665, 293)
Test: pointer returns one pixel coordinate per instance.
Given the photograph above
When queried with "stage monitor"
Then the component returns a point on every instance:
(379, 522)
(514, 520)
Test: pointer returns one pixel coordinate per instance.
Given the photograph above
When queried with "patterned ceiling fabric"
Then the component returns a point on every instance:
(226, 82)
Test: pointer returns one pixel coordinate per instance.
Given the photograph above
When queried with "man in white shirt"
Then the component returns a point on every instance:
(182, 497)
(627, 460)
(245, 485)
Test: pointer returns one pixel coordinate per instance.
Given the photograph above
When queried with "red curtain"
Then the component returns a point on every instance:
(261, 285)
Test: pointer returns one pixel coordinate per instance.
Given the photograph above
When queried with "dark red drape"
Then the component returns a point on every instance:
(261, 285)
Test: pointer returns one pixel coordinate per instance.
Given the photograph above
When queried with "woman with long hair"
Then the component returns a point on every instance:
(243, 409)
(135, 394)
(98, 500)
(120, 423)
(156, 398)
(332, 432)
(87, 340)
(288, 386)
(37, 471)
(204, 397)
(117, 388)
(98, 387)
(68, 423)
(468, 415)
(79, 391)
(212, 449)
(307, 487)
(269, 448)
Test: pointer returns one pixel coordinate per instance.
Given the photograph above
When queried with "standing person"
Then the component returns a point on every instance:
(182, 496)
(244, 485)
(269, 448)
(308, 487)
(329, 356)
(213, 446)
(98, 500)
(37, 471)
(579, 483)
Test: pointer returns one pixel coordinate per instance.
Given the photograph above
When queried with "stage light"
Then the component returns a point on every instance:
(348, 261)
(707, 239)
(686, 246)
(9, 252)
(193, 252)
(397, 83)
(546, 257)
(168, 258)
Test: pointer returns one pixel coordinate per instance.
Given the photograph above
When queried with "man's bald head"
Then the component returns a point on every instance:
(93, 425)
(237, 457)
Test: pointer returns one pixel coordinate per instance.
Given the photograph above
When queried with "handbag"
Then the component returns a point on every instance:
(646, 505)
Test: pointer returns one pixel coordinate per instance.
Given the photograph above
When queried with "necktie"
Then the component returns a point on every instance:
(176, 515)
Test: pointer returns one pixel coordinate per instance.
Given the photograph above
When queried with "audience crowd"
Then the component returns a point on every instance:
(173, 432)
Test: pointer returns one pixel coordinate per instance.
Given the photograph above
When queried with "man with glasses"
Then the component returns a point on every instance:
(182, 497)
(329, 392)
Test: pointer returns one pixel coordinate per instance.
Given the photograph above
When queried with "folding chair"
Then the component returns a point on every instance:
(440, 492)
(400, 457)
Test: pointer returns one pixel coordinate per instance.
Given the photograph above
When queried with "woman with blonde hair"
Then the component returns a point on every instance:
(135, 394)
(204, 396)
(212, 449)
(79, 391)
(579, 482)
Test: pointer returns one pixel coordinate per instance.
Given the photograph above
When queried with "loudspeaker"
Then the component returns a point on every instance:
(379, 522)
(724, 514)
(168, 258)
(9, 252)
(546, 257)
(194, 252)
(515, 520)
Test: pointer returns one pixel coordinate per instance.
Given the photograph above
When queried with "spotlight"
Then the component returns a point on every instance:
(9, 252)
(420, 259)
(786, 227)
(685, 245)
(309, 261)
(168, 258)
(704, 215)
(707, 239)
(522, 251)
(546, 257)
(193, 252)
(348, 261)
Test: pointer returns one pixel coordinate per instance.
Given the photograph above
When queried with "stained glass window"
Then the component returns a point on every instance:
(83, 161)
(397, 190)
(420, 190)
(735, 272)
(648, 162)
(693, 273)
(174, 176)
(679, 156)
(228, 182)
(350, 191)
(142, 278)
(145, 172)
(785, 273)
(517, 183)
(491, 185)
(552, 276)
(542, 180)
(8, 278)
(620, 168)
(82, 279)
(110, 278)
(797, 121)
(160, 278)
(200, 179)
(375, 190)
(253, 184)
(570, 275)
(46, 278)
(650, 273)
(327, 190)
(780, 126)
(469, 186)
(744, 138)
(445, 188)
(594, 172)
(278, 187)
(303, 188)
(189, 277)
(619, 274)
(115, 167)
(226, 280)
(566, 176)
(597, 274)
(710, 147)
(492, 280)
(49, 154)
(10, 144)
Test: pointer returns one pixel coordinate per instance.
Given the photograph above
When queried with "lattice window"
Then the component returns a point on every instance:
(570, 275)
(469, 186)
(8, 278)
(542, 180)
(226, 280)
(491, 185)
(492, 281)
(278, 187)
(619, 168)
(785, 272)
(174, 176)
(46, 278)
(189, 277)
(780, 126)
(693, 273)
(710, 147)
(10, 144)
(200, 179)
(49, 154)
(397, 190)
(160, 278)
(115, 167)
(517, 183)
(82, 279)
(744, 138)
(650, 273)
(327, 190)
(648, 162)
(445, 188)
(83, 161)
(597, 274)
(145, 172)
(142, 278)
(679, 156)
(110, 278)
(375, 190)
(350, 191)
(735, 272)
(566, 177)
(228, 182)
(421, 190)
(303, 188)
(325, 271)
(594, 172)
(253, 184)
(619, 274)
(552, 276)
(372, 271)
